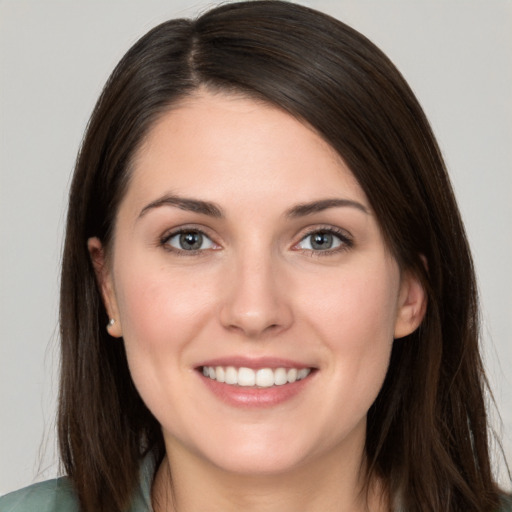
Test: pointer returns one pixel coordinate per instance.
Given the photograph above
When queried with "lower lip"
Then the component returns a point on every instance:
(241, 396)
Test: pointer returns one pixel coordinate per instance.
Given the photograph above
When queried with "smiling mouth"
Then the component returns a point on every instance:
(259, 378)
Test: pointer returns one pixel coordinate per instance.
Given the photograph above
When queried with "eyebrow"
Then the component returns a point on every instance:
(184, 203)
(303, 209)
(213, 210)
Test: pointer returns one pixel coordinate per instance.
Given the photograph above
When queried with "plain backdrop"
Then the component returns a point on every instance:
(54, 59)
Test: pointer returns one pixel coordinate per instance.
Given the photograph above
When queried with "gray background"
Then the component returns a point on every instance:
(55, 57)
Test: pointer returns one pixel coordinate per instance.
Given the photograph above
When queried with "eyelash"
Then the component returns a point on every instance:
(164, 242)
(345, 241)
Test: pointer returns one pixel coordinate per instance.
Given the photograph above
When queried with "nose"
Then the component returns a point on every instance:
(256, 302)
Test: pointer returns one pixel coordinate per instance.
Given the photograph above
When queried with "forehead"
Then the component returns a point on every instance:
(227, 146)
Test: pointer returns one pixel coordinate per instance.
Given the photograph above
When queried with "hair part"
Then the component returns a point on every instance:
(427, 431)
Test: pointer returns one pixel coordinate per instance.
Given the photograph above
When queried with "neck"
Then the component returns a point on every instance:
(329, 483)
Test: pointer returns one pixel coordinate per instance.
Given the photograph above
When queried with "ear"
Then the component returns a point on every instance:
(412, 305)
(105, 284)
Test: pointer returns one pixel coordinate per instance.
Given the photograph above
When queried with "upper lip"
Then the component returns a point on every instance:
(254, 362)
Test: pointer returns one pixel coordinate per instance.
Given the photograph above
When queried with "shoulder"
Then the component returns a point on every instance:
(59, 496)
(50, 496)
(506, 504)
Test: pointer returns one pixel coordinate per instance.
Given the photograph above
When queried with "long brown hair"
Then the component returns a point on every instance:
(427, 435)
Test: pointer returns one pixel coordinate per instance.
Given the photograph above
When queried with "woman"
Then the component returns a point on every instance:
(261, 218)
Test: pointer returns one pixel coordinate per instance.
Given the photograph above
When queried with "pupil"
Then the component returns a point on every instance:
(191, 241)
(321, 241)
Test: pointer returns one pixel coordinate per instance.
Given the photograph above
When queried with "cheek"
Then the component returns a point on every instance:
(354, 315)
(161, 313)
(358, 302)
(161, 309)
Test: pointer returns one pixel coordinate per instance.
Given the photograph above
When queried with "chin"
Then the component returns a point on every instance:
(263, 455)
(259, 465)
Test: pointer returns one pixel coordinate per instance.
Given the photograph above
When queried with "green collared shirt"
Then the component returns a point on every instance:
(58, 495)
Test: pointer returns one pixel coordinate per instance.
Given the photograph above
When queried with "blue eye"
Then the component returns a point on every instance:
(323, 240)
(190, 240)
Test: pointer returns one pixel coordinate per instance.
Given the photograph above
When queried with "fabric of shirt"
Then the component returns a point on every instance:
(58, 495)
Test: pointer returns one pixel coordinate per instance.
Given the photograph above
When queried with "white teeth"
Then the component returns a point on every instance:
(280, 376)
(303, 372)
(263, 377)
(220, 374)
(292, 375)
(231, 376)
(246, 377)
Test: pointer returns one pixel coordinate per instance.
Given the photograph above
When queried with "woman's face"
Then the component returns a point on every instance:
(245, 249)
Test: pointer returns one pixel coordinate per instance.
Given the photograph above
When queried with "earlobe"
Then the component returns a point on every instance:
(412, 305)
(104, 279)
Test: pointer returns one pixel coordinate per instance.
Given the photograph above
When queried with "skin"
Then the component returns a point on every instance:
(256, 288)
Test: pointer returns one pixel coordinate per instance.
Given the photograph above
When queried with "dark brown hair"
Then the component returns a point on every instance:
(427, 435)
